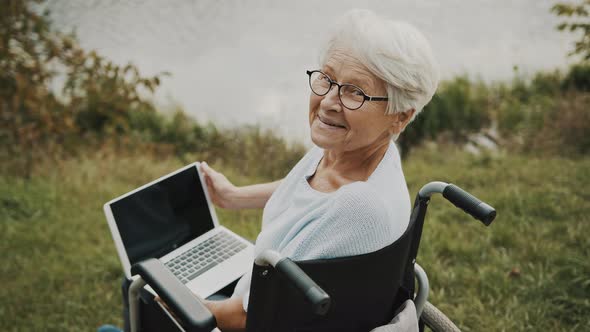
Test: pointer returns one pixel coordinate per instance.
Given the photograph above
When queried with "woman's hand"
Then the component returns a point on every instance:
(221, 190)
(229, 313)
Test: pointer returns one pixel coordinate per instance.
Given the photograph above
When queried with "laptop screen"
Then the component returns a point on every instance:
(163, 216)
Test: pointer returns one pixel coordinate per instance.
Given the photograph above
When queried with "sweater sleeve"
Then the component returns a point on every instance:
(356, 223)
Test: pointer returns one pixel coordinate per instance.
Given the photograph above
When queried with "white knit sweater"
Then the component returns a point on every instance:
(360, 217)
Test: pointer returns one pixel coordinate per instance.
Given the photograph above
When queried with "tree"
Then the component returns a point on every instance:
(96, 98)
(578, 20)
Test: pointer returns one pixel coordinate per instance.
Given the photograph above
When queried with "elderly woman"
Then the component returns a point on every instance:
(347, 195)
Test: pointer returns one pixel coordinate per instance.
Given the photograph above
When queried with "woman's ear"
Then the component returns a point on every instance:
(401, 120)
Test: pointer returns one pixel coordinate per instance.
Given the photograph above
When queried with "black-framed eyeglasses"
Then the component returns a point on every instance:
(351, 96)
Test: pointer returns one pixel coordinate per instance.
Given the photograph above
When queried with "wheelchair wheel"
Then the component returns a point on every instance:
(436, 320)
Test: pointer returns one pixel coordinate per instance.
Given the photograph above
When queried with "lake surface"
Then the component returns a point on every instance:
(238, 62)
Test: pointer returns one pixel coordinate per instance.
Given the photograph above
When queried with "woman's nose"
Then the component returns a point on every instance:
(331, 100)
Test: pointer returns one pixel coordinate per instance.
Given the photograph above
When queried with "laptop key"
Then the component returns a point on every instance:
(202, 270)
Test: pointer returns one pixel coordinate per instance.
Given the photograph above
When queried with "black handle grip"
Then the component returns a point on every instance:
(319, 299)
(186, 305)
(470, 204)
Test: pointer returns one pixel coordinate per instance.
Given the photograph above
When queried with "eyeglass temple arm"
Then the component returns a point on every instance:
(376, 98)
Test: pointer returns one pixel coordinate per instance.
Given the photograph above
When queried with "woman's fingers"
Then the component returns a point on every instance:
(208, 169)
(219, 187)
(212, 182)
(159, 300)
(207, 174)
(210, 173)
(204, 168)
(215, 178)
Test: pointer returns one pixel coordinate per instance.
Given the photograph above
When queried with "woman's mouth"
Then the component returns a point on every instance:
(330, 123)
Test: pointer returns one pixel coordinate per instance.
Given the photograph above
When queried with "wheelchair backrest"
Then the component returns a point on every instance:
(365, 291)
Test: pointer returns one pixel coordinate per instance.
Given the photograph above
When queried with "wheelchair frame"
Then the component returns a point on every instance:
(191, 312)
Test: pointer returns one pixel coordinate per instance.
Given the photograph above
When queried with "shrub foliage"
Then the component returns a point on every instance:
(99, 102)
(40, 120)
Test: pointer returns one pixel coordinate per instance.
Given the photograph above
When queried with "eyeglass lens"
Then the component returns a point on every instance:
(351, 96)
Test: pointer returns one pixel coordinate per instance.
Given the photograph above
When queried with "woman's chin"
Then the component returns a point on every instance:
(324, 140)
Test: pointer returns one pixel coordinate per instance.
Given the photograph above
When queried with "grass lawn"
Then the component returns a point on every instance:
(530, 270)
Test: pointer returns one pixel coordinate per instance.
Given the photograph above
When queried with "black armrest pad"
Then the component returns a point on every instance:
(186, 305)
(320, 300)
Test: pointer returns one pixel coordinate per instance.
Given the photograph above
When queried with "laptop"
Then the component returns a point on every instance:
(172, 219)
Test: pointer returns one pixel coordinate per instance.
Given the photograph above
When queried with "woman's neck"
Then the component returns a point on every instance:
(356, 165)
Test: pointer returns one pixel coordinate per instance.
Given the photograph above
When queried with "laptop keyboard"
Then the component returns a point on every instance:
(209, 253)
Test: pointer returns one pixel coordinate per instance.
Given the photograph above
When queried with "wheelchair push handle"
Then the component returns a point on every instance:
(313, 293)
(469, 203)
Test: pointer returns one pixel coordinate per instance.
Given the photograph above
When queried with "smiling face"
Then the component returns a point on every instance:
(334, 127)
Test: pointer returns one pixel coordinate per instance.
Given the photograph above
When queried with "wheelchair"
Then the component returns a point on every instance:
(358, 293)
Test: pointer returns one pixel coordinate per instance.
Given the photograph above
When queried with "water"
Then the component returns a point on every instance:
(243, 62)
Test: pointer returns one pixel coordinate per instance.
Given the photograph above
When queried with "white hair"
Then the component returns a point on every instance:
(395, 52)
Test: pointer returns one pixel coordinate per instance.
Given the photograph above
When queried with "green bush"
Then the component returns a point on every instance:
(459, 107)
(578, 78)
(547, 83)
(565, 127)
(261, 153)
(96, 99)
(547, 115)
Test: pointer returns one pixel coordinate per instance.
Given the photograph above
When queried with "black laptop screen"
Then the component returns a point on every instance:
(163, 216)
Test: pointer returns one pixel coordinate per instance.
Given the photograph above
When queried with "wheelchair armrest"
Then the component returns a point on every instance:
(314, 294)
(185, 305)
(320, 301)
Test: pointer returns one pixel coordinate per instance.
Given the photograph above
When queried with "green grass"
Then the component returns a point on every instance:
(60, 270)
